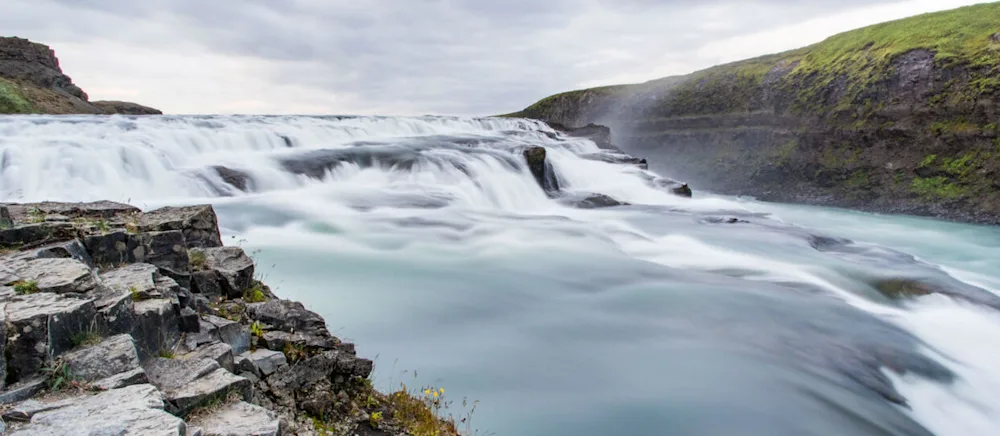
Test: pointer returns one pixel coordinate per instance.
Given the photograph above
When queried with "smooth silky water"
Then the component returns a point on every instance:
(431, 246)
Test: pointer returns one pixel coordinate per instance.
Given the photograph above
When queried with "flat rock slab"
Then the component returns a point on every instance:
(139, 277)
(134, 377)
(288, 316)
(238, 419)
(191, 383)
(95, 210)
(131, 410)
(58, 275)
(220, 352)
(114, 355)
(23, 390)
(41, 327)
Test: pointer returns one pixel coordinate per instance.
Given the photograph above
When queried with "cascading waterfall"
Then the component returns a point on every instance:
(428, 239)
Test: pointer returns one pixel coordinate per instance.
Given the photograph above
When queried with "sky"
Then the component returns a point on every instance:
(410, 57)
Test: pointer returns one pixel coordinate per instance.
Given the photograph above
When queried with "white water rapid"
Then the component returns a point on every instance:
(428, 242)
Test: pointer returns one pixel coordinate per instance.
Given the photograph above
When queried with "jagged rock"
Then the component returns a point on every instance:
(130, 410)
(220, 352)
(207, 283)
(239, 418)
(541, 169)
(115, 310)
(191, 383)
(683, 190)
(156, 328)
(238, 179)
(267, 362)
(309, 383)
(189, 321)
(111, 107)
(112, 248)
(92, 210)
(226, 269)
(306, 343)
(73, 249)
(113, 355)
(288, 316)
(23, 389)
(36, 234)
(233, 333)
(42, 326)
(128, 378)
(198, 223)
(167, 251)
(58, 275)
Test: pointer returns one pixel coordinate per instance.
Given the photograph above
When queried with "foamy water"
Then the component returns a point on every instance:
(432, 246)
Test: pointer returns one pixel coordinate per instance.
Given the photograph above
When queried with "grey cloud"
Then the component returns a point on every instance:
(435, 56)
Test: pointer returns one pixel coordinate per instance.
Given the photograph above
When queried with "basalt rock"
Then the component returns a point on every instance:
(198, 224)
(541, 169)
(125, 108)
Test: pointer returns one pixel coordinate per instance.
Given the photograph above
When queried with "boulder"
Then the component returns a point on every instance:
(541, 169)
(198, 223)
(156, 328)
(35, 234)
(233, 333)
(167, 251)
(59, 276)
(266, 362)
(310, 383)
(288, 316)
(192, 383)
(238, 418)
(595, 201)
(130, 410)
(41, 327)
(683, 190)
(236, 178)
(112, 356)
(208, 284)
(232, 267)
(71, 249)
(220, 352)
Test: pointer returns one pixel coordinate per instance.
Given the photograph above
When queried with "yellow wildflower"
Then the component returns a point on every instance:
(427, 391)
(435, 394)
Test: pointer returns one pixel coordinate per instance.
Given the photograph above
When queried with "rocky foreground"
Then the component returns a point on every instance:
(119, 321)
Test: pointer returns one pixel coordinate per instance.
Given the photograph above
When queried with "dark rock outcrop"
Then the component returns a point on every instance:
(31, 81)
(541, 169)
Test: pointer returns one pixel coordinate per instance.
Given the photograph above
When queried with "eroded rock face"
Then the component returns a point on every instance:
(198, 223)
(42, 326)
(112, 356)
(226, 270)
(130, 410)
(190, 383)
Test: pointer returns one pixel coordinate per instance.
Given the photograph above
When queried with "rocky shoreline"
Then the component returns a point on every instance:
(120, 321)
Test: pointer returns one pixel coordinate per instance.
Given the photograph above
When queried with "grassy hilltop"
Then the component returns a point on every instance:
(900, 116)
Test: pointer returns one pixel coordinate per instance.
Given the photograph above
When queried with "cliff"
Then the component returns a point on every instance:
(898, 117)
(31, 81)
(115, 320)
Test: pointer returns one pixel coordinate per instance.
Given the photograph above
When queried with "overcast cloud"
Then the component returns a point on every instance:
(457, 57)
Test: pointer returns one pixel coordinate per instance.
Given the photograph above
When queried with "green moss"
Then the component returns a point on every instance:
(26, 287)
(11, 100)
(934, 188)
(859, 179)
(928, 161)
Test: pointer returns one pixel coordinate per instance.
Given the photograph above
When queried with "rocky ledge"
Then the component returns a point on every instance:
(119, 321)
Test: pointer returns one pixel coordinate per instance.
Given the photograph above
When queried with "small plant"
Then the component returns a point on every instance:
(103, 225)
(294, 352)
(256, 329)
(59, 376)
(255, 294)
(196, 259)
(132, 223)
(167, 353)
(375, 418)
(86, 338)
(35, 215)
(136, 296)
(23, 287)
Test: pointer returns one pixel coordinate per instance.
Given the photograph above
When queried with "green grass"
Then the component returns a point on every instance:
(28, 287)
(86, 338)
(11, 100)
(196, 259)
(255, 294)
